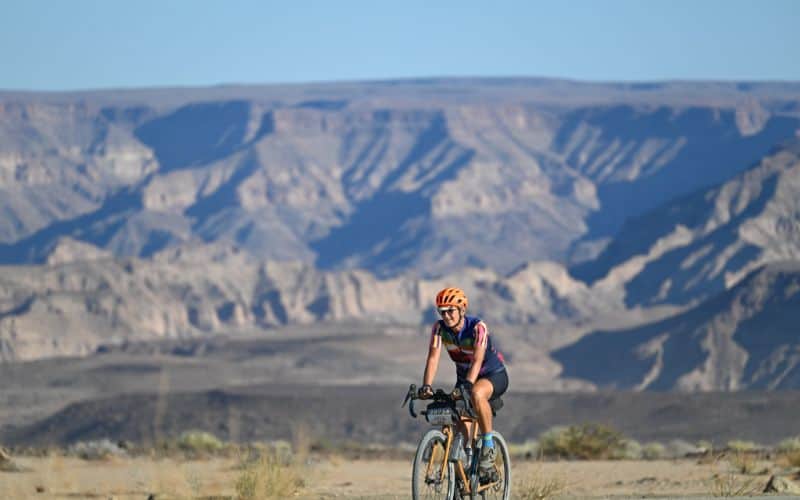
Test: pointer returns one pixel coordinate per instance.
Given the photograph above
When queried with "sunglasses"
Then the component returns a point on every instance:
(445, 310)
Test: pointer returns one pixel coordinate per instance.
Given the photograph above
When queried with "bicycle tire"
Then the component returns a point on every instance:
(502, 491)
(422, 486)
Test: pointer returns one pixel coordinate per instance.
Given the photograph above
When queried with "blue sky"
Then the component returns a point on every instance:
(80, 44)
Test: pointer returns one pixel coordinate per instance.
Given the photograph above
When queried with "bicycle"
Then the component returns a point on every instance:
(443, 466)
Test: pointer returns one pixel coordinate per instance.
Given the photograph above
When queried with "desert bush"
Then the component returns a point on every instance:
(587, 441)
(268, 476)
(302, 439)
(792, 458)
(529, 449)
(95, 450)
(199, 443)
(538, 487)
(789, 444)
(742, 462)
(729, 485)
(654, 451)
(630, 449)
(738, 445)
(678, 448)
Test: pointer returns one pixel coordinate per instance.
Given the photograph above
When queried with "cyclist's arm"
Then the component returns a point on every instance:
(434, 351)
(481, 339)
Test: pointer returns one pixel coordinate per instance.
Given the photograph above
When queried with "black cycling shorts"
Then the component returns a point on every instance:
(499, 380)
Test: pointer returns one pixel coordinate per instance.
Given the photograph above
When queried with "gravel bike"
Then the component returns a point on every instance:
(447, 463)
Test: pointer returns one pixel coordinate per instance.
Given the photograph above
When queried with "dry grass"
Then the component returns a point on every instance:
(743, 462)
(587, 441)
(537, 486)
(268, 475)
(731, 485)
(793, 458)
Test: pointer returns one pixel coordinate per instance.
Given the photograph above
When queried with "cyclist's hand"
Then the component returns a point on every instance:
(425, 392)
(466, 388)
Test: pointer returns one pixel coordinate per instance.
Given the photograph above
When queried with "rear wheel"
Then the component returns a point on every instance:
(432, 478)
(494, 484)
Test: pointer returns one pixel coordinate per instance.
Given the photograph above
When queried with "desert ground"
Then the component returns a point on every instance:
(239, 392)
(60, 477)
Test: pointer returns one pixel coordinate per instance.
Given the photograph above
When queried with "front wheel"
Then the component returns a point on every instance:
(432, 477)
(494, 484)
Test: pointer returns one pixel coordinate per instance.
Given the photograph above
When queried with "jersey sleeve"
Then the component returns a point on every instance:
(436, 336)
(481, 334)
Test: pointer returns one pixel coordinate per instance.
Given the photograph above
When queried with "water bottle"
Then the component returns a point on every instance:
(457, 448)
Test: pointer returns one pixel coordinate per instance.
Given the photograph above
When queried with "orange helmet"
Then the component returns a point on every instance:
(451, 297)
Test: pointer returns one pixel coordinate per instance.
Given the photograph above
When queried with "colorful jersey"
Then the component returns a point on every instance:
(461, 346)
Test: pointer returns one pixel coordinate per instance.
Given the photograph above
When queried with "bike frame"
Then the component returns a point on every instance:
(471, 424)
(449, 433)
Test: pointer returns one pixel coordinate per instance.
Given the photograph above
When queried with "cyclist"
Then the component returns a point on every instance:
(480, 368)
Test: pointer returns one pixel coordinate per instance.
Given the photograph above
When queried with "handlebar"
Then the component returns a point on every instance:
(438, 395)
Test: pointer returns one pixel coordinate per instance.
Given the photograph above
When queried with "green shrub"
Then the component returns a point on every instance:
(739, 445)
(654, 451)
(529, 449)
(630, 450)
(789, 444)
(199, 442)
(587, 441)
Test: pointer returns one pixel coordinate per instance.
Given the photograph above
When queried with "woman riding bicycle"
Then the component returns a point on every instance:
(480, 368)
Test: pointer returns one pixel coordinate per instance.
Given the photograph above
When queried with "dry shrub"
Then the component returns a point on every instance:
(743, 462)
(729, 485)
(527, 450)
(587, 441)
(302, 439)
(654, 451)
(539, 487)
(790, 458)
(789, 444)
(268, 476)
(737, 445)
(630, 450)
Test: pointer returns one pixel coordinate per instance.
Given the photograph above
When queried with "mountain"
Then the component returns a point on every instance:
(561, 207)
(423, 176)
(695, 246)
(743, 338)
(72, 307)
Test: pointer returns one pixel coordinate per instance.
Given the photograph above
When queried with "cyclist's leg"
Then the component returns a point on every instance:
(484, 390)
(481, 392)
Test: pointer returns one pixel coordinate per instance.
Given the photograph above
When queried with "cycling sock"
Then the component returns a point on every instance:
(488, 442)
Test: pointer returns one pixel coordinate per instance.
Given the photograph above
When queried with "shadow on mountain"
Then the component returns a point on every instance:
(225, 195)
(770, 337)
(759, 315)
(714, 151)
(97, 228)
(371, 229)
(644, 288)
(639, 233)
(386, 231)
(198, 134)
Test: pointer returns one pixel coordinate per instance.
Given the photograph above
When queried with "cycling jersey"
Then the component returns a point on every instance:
(461, 346)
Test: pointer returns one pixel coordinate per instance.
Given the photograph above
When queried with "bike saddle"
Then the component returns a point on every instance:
(496, 404)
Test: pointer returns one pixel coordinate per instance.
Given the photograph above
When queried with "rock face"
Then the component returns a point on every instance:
(744, 338)
(426, 177)
(110, 301)
(147, 214)
(701, 244)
